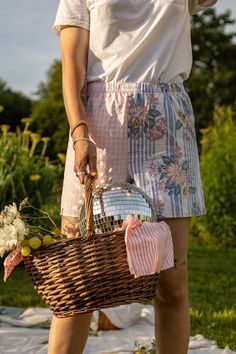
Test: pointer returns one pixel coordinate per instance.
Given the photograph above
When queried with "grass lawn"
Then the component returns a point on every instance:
(212, 282)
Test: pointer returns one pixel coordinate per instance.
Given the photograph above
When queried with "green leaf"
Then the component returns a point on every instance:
(153, 112)
(162, 175)
(138, 100)
(151, 122)
(177, 190)
(192, 190)
(178, 124)
(169, 185)
(167, 160)
(134, 130)
(145, 128)
(185, 165)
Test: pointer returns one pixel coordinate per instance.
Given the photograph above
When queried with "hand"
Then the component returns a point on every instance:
(85, 158)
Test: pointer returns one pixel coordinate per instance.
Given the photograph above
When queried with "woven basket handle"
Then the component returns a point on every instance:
(88, 189)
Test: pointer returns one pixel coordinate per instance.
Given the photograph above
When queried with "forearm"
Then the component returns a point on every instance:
(74, 46)
(72, 84)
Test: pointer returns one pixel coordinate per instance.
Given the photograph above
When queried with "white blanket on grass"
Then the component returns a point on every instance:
(17, 337)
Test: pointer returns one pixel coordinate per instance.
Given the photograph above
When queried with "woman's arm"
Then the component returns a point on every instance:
(74, 52)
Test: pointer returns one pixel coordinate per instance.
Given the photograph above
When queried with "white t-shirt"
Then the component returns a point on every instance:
(134, 40)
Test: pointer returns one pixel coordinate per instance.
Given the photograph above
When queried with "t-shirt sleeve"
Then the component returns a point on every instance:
(194, 6)
(71, 12)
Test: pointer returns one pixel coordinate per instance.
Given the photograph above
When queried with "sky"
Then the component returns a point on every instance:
(28, 46)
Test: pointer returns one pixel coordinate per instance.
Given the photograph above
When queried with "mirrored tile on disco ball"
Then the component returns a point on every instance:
(112, 205)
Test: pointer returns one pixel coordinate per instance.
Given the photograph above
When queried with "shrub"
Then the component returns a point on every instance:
(218, 169)
(25, 170)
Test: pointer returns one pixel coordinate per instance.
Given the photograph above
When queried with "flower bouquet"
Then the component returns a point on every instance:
(21, 232)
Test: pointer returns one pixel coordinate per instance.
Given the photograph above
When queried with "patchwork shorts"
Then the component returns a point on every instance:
(145, 135)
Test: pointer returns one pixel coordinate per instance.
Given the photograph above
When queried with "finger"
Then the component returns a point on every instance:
(81, 172)
(75, 167)
(93, 166)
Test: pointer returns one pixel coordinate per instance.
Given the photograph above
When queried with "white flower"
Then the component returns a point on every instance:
(10, 232)
(9, 213)
(21, 229)
(12, 243)
(1, 220)
(4, 246)
(2, 250)
(8, 238)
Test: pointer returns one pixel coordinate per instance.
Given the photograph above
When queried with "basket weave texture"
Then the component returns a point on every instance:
(81, 275)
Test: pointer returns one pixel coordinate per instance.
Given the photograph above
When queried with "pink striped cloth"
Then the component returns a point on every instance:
(149, 246)
(11, 261)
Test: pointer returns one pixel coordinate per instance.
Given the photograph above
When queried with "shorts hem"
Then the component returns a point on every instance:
(180, 216)
(158, 217)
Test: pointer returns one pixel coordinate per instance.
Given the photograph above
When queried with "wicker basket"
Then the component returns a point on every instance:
(81, 275)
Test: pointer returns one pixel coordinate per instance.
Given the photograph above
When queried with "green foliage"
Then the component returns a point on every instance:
(49, 112)
(212, 288)
(18, 290)
(16, 106)
(25, 171)
(218, 169)
(213, 77)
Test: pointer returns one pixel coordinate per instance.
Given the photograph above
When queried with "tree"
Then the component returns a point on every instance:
(213, 78)
(49, 112)
(15, 104)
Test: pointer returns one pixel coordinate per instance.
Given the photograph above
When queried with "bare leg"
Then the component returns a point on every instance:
(171, 305)
(69, 335)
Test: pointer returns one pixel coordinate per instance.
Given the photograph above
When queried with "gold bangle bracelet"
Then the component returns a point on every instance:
(78, 139)
(82, 122)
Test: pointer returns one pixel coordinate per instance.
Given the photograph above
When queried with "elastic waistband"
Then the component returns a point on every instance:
(101, 86)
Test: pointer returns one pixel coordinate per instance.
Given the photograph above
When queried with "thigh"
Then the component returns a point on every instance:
(173, 282)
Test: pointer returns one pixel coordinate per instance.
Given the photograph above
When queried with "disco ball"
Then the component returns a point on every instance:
(112, 204)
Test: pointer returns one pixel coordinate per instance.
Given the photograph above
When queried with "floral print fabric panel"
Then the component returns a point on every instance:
(163, 156)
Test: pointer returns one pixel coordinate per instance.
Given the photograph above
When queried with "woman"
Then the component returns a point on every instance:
(130, 58)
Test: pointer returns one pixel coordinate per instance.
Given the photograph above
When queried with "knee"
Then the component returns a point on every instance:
(174, 293)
